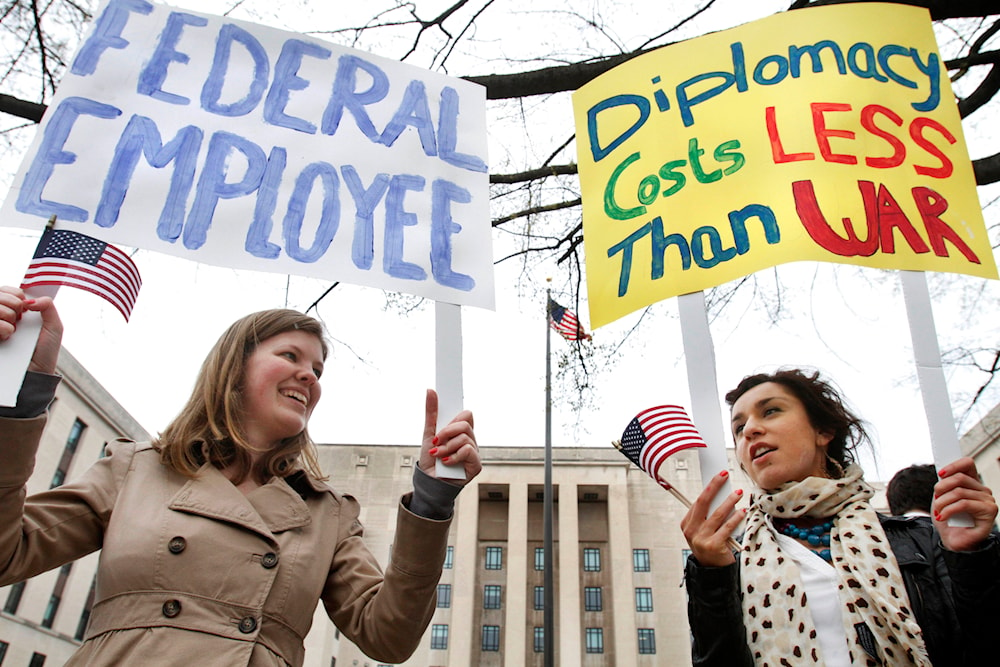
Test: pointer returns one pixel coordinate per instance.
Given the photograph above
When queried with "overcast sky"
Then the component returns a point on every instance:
(847, 323)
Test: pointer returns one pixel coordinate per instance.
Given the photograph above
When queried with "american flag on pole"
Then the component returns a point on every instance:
(657, 433)
(69, 258)
(565, 323)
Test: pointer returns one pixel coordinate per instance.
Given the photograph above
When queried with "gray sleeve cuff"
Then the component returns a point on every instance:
(36, 393)
(432, 498)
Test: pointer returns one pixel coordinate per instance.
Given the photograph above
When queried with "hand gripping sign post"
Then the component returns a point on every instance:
(826, 134)
(243, 146)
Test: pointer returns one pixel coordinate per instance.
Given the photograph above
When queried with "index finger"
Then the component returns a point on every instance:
(430, 414)
(704, 500)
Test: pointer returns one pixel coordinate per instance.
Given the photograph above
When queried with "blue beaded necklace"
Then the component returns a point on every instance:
(817, 536)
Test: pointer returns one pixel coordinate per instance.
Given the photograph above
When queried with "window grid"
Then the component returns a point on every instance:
(595, 640)
(491, 596)
(647, 641)
(539, 558)
(644, 599)
(449, 556)
(439, 636)
(591, 560)
(491, 637)
(539, 598)
(539, 643)
(640, 560)
(444, 596)
(494, 558)
(593, 598)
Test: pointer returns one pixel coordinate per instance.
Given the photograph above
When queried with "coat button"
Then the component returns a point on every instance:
(269, 560)
(248, 624)
(177, 545)
(171, 608)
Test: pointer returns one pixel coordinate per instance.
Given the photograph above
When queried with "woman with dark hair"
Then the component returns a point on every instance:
(820, 579)
(219, 539)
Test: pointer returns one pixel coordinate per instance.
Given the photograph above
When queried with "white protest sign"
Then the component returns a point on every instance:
(238, 145)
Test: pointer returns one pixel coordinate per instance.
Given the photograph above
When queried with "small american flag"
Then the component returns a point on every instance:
(565, 323)
(69, 258)
(657, 433)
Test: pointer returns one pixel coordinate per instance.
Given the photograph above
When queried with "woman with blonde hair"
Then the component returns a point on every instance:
(219, 539)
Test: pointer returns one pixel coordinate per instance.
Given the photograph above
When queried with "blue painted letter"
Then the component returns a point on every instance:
(443, 226)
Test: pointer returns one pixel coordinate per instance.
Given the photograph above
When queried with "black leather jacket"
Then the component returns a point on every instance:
(955, 598)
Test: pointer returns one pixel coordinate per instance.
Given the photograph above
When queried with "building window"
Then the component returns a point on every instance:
(4, 645)
(14, 598)
(539, 639)
(37, 660)
(439, 636)
(640, 560)
(494, 558)
(539, 558)
(595, 640)
(68, 451)
(449, 556)
(684, 557)
(81, 627)
(491, 637)
(539, 598)
(50, 610)
(333, 661)
(591, 560)
(644, 599)
(491, 596)
(593, 598)
(647, 641)
(444, 596)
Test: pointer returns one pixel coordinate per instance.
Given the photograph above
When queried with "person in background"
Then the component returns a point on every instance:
(819, 578)
(911, 491)
(219, 538)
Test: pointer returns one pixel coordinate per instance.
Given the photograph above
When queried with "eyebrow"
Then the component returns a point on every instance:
(759, 404)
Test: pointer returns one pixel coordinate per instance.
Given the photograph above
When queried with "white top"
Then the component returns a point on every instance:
(821, 586)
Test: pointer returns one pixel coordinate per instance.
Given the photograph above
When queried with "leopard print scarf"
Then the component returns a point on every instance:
(779, 626)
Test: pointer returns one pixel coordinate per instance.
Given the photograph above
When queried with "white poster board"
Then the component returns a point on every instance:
(243, 146)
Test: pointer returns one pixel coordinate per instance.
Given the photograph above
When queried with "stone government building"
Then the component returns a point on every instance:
(618, 561)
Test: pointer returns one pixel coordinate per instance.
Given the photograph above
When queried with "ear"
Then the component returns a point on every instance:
(823, 438)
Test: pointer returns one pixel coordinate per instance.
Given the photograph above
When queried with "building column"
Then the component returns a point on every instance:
(517, 599)
(569, 607)
(466, 527)
(623, 593)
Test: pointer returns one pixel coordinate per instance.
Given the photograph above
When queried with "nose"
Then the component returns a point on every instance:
(752, 428)
(307, 375)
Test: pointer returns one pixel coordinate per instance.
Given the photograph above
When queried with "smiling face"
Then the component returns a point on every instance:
(281, 387)
(775, 441)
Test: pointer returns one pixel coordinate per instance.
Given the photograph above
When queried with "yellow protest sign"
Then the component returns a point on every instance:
(826, 134)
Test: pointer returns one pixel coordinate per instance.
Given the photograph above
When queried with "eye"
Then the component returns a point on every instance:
(289, 355)
(737, 430)
(771, 410)
(318, 372)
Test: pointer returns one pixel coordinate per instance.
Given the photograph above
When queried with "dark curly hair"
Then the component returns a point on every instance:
(825, 408)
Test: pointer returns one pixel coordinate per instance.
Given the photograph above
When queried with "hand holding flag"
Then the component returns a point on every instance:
(654, 435)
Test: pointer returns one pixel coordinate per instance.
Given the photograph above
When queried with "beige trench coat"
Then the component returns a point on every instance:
(193, 572)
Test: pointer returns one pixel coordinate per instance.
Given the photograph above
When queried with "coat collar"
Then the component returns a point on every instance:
(271, 508)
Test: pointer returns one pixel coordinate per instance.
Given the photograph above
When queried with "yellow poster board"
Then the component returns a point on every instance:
(826, 134)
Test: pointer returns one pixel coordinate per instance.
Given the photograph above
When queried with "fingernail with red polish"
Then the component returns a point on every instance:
(435, 440)
(446, 459)
(433, 451)
(724, 473)
(28, 302)
(943, 472)
(739, 492)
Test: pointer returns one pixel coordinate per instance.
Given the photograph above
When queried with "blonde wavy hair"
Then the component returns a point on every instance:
(211, 426)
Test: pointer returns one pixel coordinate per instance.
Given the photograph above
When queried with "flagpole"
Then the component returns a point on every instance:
(548, 588)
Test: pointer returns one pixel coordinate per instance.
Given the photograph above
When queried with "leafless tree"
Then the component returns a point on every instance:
(535, 194)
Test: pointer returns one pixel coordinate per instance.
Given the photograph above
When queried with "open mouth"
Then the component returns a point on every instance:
(295, 395)
(763, 451)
